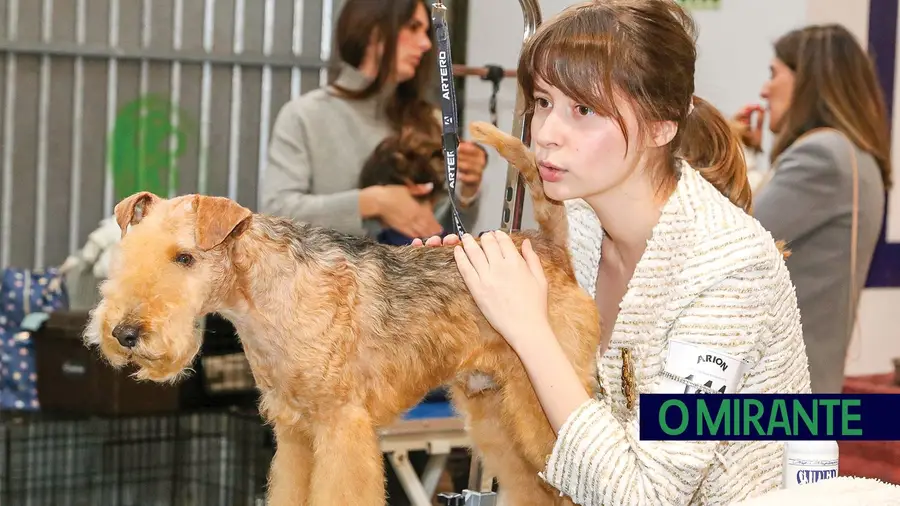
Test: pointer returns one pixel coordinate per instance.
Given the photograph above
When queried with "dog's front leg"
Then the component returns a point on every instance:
(291, 468)
(348, 469)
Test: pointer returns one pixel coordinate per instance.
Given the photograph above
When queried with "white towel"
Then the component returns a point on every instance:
(842, 491)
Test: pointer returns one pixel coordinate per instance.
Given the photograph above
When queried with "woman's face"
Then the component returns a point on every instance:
(777, 92)
(581, 153)
(412, 43)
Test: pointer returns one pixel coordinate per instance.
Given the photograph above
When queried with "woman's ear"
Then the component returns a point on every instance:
(374, 52)
(662, 132)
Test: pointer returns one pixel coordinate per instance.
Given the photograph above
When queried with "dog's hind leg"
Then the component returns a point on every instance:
(348, 470)
(291, 468)
(519, 482)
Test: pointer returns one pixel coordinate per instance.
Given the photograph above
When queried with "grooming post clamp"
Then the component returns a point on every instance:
(479, 492)
(514, 194)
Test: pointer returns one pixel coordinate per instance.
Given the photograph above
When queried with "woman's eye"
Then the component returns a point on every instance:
(543, 103)
(584, 110)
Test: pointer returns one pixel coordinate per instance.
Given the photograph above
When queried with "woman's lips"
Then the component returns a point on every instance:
(550, 173)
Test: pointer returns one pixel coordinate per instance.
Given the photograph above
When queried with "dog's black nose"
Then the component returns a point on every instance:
(127, 334)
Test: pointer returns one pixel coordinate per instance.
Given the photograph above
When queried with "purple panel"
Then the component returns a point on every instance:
(885, 270)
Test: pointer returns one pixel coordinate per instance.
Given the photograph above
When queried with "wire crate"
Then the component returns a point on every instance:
(187, 459)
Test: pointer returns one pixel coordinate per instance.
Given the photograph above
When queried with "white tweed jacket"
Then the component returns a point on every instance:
(712, 276)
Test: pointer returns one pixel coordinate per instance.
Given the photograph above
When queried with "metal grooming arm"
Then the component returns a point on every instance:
(480, 491)
(514, 194)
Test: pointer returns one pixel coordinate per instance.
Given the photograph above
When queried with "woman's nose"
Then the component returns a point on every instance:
(546, 131)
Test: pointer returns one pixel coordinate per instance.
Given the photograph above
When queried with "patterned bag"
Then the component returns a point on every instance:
(26, 296)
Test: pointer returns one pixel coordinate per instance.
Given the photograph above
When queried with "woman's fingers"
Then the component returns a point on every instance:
(466, 269)
(475, 255)
(491, 247)
(507, 246)
(533, 261)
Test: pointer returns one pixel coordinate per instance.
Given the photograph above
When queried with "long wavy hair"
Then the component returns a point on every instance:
(407, 107)
(835, 85)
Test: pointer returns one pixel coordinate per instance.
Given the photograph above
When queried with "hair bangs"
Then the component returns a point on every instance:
(575, 57)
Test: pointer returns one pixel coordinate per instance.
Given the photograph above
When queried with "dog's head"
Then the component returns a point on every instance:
(408, 159)
(168, 271)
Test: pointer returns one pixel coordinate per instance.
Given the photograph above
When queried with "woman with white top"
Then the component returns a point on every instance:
(660, 235)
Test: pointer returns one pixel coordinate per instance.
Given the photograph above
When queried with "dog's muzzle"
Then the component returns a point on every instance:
(127, 334)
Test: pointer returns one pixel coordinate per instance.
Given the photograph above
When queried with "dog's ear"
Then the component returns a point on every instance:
(133, 209)
(218, 218)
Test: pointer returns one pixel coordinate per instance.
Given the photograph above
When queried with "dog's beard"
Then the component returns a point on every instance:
(165, 355)
(165, 349)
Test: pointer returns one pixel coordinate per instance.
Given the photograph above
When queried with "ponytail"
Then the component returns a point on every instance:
(710, 144)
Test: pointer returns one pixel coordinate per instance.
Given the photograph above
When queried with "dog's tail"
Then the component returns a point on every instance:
(549, 214)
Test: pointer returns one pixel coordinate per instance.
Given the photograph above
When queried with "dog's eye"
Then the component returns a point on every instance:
(184, 259)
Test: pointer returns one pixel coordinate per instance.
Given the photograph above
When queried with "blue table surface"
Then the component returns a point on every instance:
(427, 410)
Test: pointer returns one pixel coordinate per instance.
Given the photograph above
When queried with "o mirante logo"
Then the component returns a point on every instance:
(699, 417)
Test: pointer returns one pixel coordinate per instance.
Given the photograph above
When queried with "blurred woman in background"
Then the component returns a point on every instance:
(321, 140)
(828, 114)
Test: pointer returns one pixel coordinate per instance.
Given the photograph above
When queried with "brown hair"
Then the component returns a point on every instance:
(409, 158)
(835, 86)
(359, 19)
(644, 50)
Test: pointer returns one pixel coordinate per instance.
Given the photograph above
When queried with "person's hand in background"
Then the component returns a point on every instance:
(470, 167)
(751, 117)
(397, 208)
(449, 240)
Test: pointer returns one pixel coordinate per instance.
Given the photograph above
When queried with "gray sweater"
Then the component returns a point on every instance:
(319, 144)
(808, 203)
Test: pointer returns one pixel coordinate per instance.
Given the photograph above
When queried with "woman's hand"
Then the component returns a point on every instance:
(470, 167)
(752, 132)
(397, 208)
(509, 287)
(435, 240)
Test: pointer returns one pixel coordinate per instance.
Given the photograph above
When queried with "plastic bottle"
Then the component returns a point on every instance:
(807, 462)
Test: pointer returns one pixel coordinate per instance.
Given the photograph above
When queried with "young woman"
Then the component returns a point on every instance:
(827, 110)
(679, 270)
(321, 140)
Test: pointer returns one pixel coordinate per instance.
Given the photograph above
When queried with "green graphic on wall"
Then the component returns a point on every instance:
(699, 5)
(145, 145)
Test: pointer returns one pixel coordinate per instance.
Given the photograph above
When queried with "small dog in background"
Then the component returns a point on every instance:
(343, 335)
(407, 159)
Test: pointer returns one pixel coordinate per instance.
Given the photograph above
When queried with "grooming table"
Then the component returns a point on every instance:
(432, 427)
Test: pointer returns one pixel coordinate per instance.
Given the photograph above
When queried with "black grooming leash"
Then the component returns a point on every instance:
(450, 137)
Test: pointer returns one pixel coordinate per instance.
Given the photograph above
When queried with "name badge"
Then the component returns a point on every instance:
(688, 365)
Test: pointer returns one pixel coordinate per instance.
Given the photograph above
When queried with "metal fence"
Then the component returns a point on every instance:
(101, 97)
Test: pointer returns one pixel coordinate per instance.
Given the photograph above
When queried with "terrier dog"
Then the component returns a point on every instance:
(342, 334)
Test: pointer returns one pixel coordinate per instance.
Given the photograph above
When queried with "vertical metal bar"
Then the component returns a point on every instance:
(144, 87)
(205, 97)
(266, 91)
(296, 46)
(514, 195)
(112, 88)
(77, 125)
(40, 215)
(9, 128)
(234, 137)
(175, 96)
(325, 50)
